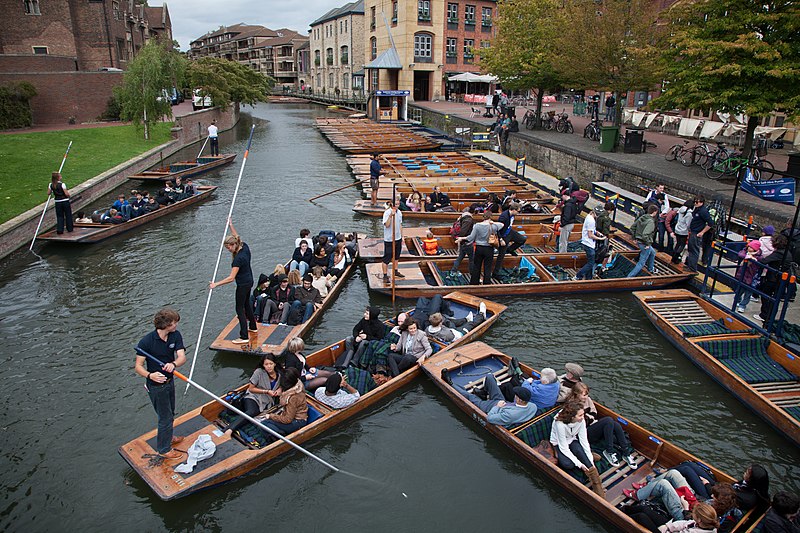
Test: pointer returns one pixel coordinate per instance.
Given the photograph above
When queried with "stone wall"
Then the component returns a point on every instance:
(194, 126)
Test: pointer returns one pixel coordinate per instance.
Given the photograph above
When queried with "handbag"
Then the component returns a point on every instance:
(493, 240)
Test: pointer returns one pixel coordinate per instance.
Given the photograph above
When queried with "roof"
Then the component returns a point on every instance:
(156, 16)
(353, 8)
(284, 37)
(388, 59)
(238, 29)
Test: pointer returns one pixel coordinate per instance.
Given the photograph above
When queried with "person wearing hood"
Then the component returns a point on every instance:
(766, 240)
(369, 328)
(746, 273)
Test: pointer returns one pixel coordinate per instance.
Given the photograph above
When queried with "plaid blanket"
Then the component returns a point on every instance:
(360, 379)
(377, 352)
(698, 330)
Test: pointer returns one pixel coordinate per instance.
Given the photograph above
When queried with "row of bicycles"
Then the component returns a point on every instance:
(550, 121)
(720, 161)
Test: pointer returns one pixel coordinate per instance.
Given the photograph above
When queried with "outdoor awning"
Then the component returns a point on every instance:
(471, 77)
(388, 60)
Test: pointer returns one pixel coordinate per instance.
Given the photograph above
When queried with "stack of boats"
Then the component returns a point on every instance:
(360, 136)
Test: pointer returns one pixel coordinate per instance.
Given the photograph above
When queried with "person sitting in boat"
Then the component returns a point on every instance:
(320, 258)
(293, 357)
(699, 477)
(280, 301)
(262, 392)
(304, 236)
(437, 201)
(567, 381)
(544, 391)
(163, 196)
(412, 348)
(376, 354)
(351, 244)
(340, 260)
(369, 328)
(492, 204)
(307, 298)
(294, 407)
(151, 205)
(447, 331)
(81, 218)
(664, 488)
(122, 206)
(179, 189)
(190, 189)
(604, 432)
(137, 204)
(498, 411)
(723, 500)
(337, 392)
(295, 279)
(510, 196)
(322, 240)
(301, 258)
(568, 437)
(783, 517)
(703, 520)
(260, 296)
(274, 277)
(415, 202)
(320, 281)
(753, 491)
(115, 217)
(430, 244)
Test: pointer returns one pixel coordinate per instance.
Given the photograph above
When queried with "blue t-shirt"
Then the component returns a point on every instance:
(163, 351)
(242, 260)
(700, 218)
(374, 169)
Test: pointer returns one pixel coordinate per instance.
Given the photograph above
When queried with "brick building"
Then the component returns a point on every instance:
(60, 47)
(272, 52)
(337, 48)
(469, 26)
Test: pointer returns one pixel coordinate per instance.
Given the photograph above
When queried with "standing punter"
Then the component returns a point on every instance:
(61, 198)
(375, 172)
(392, 220)
(165, 344)
(213, 136)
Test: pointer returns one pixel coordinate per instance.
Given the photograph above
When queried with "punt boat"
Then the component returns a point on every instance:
(761, 373)
(273, 338)
(534, 274)
(365, 207)
(242, 453)
(359, 136)
(184, 169)
(90, 233)
(467, 366)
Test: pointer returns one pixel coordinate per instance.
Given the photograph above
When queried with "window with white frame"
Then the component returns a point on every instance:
(373, 48)
(469, 15)
(452, 45)
(486, 16)
(423, 45)
(346, 81)
(32, 7)
(468, 44)
(452, 13)
(424, 10)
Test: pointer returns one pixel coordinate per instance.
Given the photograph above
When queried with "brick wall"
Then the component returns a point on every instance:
(19, 32)
(194, 126)
(29, 63)
(62, 95)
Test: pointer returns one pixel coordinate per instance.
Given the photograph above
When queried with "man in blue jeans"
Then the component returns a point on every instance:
(663, 488)
(700, 225)
(644, 229)
(307, 297)
(589, 238)
(497, 410)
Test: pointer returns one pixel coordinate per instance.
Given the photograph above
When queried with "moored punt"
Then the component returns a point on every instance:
(273, 338)
(358, 136)
(90, 233)
(364, 207)
(184, 169)
(235, 457)
(760, 372)
(534, 274)
(468, 364)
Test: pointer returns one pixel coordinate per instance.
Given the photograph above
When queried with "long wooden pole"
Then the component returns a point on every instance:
(49, 195)
(394, 267)
(335, 190)
(219, 257)
(202, 148)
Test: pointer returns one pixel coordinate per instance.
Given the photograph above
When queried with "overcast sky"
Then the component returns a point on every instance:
(193, 18)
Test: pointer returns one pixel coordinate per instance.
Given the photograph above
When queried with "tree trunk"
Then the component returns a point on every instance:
(749, 135)
(539, 99)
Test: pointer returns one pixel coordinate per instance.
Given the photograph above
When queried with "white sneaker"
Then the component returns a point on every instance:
(240, 341)
(611, 458)
(631, 460)
(740, 309)
(482, 309)
(758, 317)
(470, 317)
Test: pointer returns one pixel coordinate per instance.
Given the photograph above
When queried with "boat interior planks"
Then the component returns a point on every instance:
(241, 453)
(184, 169)
(534, 274)
(468, 365)
(91, 233)
(364, 207)
(359, 136)
(760, 372)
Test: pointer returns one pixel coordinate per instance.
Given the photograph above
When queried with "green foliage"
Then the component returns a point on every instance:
(15, 105)
(156, 67)
(29, 158)
(735, 56)
(112, 111)
(228, 81)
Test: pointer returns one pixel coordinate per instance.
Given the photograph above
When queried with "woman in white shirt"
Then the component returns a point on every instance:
(568, 437)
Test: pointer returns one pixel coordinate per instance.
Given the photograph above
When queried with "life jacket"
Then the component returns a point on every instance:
(431, 246)
(557, 228)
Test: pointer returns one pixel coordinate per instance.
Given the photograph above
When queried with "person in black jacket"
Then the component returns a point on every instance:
(465, 228)
(437, 200)
(280, 299)
(367, 329)
(510, 240)
(771, 279)
(753, 491)
(783, 517)
(301, 258)
(569, 216)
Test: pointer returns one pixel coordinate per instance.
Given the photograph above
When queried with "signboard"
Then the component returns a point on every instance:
(779, 190)
(392, 93)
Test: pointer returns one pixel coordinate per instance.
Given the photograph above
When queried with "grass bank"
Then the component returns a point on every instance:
(28, 159)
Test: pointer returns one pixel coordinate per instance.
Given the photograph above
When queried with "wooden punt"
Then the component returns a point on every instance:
(234, 457)
(91, 233)
(761, 373)
(184, 169)
(273, 338)
(431, 276)
(364, 207)
(359, 136)
(467, 365)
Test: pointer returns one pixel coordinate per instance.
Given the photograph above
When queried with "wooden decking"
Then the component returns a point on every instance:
(360, 136)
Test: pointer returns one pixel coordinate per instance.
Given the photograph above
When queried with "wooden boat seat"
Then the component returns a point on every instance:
(706, 329)
(747, 357)
(682, 312)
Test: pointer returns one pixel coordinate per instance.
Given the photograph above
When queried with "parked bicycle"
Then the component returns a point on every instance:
(563, 124)
(592, 130)
(763, 169)
(529, 120)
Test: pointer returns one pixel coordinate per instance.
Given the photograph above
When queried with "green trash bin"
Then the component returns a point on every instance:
(608, 138)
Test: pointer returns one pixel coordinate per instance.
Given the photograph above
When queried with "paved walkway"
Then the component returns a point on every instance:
(650, 165)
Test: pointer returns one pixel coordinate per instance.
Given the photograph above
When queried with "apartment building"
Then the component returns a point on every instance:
(469, 26)
(337, 48)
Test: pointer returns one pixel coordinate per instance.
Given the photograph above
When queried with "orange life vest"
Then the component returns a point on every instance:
(431, 246)
(557, 228)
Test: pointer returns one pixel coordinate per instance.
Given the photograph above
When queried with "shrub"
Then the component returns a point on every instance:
(15, 105)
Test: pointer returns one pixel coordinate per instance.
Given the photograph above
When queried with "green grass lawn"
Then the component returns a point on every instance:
(28, 159)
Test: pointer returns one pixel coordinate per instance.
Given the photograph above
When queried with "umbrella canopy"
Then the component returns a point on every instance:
(468, 77)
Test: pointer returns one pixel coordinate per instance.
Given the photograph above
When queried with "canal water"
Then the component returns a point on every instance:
(69, 321)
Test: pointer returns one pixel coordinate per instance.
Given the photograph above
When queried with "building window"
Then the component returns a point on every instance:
(468, 45)
(358, 83)
(375, 79)
(424, 10)
(452, 13)
(345, 81)
(394, 12)
(452, 43)
(345, 55)
(486, 44)
(32, 7)
(345, 25)
(486, 16)
(469, 15)
(373, 48)
(329, 56)
(372, 18)
(341, 26)
(115, 9)
(423, 44)
(319, 81)
(316, 58)
(40, 50)
(121, 49)
(330, 80)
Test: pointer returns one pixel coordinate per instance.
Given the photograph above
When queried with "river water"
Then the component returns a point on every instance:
(69, 320)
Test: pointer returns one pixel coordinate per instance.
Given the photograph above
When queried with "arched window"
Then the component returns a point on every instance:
(346, 81)
(345, 55)
(423, 47)
(330, 80)
(329, 56)
(373, 48)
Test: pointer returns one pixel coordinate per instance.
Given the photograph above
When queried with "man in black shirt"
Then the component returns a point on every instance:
(700, 224)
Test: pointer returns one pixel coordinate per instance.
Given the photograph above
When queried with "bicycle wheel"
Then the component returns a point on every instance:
(712, 159)
(548, 125)
(717, 170)
(570, 129)
(587, 131)
(700, 155)
(687, 158)
(530, 122)
(766, 170)
(672, 153)
(561, 126)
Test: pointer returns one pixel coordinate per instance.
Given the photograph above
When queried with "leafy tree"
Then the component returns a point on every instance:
(523, 53)
(156, 67)
(610, 44)
(734, 56)
(228, 81)
(15, 105)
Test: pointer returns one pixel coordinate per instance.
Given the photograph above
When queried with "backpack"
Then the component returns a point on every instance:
(456, 228)
(581, 197)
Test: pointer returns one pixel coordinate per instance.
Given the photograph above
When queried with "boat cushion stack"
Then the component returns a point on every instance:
(620, 267)
(748, 359)
(794, 411)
